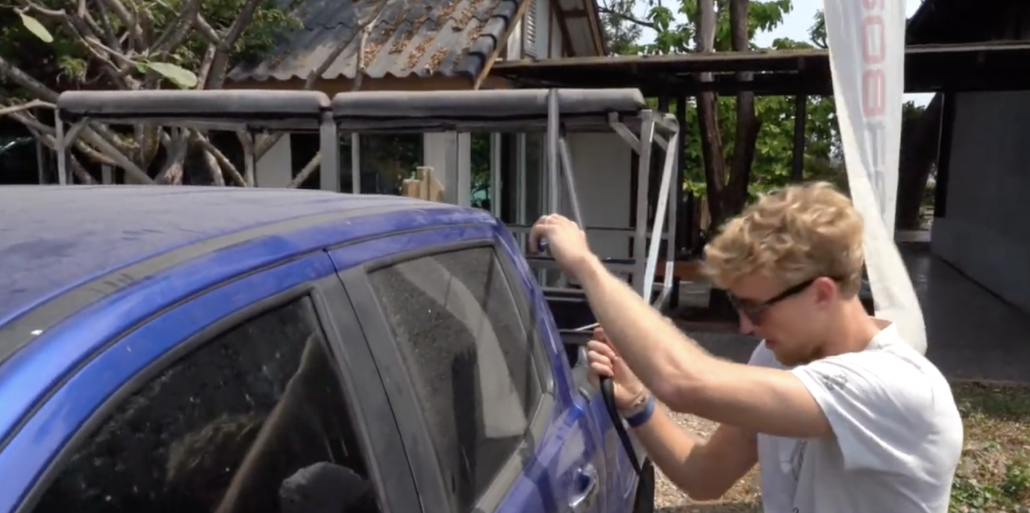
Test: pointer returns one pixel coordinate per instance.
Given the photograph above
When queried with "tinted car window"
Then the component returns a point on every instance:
(252, 421)
(469, 355)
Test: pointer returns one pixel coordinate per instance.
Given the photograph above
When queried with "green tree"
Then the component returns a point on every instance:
(48, 46)
(745, 145)
(622, 29)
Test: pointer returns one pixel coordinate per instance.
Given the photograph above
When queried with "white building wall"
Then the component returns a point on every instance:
(601, 164)
(543, 31)
(514, 50)
(555, 43)
(984, 231)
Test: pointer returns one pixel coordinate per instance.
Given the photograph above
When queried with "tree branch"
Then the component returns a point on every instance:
(25, 106)
(307, 171)
(206, 30)
(220, 158)
(176, 155)
(220, 62)
(626, 17)
(127, 18)
(179, 29)
(23, 80)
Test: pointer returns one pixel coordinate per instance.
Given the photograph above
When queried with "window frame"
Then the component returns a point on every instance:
(423, 456)
(326, 295)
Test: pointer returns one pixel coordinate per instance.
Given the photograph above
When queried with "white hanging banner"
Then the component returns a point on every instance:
(867, 58)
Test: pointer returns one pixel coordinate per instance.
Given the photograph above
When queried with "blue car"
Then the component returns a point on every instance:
(184, 349)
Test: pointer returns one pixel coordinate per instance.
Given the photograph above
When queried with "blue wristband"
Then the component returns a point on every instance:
(644, 415)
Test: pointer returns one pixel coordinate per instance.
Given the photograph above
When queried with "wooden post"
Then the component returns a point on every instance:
(424, 187)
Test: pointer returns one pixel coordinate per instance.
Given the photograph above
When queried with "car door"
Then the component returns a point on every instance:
(620, 479)
(239, 399)
(582, 399)
(470, 376)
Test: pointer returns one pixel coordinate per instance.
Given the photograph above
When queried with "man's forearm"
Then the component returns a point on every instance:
(669, 447)
(705, 470)
(658, 352)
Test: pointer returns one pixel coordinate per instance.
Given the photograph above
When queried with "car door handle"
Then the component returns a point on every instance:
(587, 479)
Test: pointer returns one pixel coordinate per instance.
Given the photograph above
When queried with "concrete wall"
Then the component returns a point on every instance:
(986, 229)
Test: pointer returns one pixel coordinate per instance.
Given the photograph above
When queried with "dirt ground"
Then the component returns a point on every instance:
(993, 476)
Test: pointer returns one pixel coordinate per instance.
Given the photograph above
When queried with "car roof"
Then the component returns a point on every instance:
(53, 238)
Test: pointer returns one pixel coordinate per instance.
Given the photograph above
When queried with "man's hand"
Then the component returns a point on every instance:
(630, 393)
(566, 242)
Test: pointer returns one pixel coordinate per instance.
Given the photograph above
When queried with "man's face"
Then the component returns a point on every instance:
(791, 317)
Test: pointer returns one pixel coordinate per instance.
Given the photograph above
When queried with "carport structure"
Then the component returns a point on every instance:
(928, 68)
(249, 112)
(554, 111)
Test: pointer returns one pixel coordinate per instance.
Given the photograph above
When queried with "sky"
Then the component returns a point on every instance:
(795, 26)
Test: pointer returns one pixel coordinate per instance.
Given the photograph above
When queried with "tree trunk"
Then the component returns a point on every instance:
(708, 114)
(919, 144)
(735, 196)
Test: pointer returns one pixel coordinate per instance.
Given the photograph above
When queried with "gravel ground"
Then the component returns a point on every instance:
(742, 498)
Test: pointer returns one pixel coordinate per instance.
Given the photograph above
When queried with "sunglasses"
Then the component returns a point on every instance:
(754, 312)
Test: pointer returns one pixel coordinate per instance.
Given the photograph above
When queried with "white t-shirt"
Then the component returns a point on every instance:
(897, 436)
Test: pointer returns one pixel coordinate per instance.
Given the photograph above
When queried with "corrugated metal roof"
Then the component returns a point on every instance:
(410, 38)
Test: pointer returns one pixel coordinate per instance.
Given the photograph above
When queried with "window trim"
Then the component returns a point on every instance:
(336, 314)
(380, 336)
(310, 289)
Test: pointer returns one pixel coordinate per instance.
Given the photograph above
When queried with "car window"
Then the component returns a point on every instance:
(469, 355)
(252, 421)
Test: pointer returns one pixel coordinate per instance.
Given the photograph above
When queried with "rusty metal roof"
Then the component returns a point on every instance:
(409, 38)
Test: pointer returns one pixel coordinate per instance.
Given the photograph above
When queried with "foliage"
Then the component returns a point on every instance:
(69, 62)
(675, 30)
(621, 28)
(775, 145)
(818, 31)
(994, 473)
(49, 46)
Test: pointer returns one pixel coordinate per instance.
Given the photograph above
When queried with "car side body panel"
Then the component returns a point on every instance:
(55, 384)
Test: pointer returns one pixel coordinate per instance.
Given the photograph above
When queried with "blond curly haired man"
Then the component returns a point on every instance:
(840, 413)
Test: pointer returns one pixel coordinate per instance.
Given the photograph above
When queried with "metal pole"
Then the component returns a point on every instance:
(249, 160)
(329, 146)
(682, 235)
(496, 190)
(643, 179)
(41, 163)
(553, 191)
(570, 180)
(463, 184)
(520, 180)
(355, 163)
(797, 171)
(659, 219)
(62, 152)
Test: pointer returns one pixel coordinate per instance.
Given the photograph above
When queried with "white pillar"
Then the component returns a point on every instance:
(463, 184)
(275, 168)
